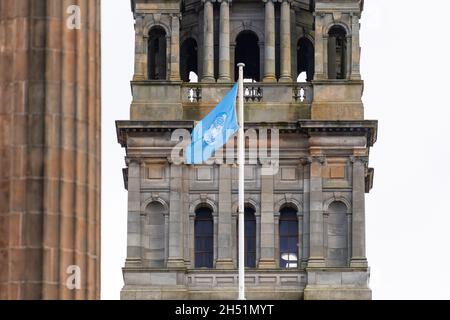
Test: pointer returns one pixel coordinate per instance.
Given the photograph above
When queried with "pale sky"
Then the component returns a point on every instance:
(405, 65)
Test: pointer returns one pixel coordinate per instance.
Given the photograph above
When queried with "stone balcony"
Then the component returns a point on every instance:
(164, 100)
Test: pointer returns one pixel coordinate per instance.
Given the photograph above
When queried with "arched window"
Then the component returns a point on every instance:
(247, 51)
(288, 231)
(157, 54)
(204, 238)
(305, 58)
(188, 59)
(337, 251)
(155, 230)
(337, 53)
(250, 237)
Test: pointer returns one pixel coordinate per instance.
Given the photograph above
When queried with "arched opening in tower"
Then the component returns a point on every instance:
(247, 51)
(188, 59)
(157, 54)
(305, 58)
(337, 53)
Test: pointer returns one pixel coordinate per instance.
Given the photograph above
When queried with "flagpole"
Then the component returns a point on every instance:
(241, 152)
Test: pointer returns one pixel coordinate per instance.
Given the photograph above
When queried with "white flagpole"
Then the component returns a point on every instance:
(241, 150)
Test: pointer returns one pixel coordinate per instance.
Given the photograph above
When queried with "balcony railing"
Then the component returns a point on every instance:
(301, 93)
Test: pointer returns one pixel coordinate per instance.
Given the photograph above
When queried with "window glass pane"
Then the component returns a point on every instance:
(204, 238)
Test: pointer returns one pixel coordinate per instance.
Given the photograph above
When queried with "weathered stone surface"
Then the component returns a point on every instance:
(324, 145)
(49, 149)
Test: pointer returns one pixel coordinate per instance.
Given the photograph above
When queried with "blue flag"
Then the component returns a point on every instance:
(214, 130)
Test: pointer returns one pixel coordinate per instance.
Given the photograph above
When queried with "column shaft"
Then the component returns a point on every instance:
(224, 259)
(267, 259)
(175, 219)
(208, 42)
(175, 49)
(285, 41)
(356, 49)
(269, 54)
(316, 258)
(224, 53)
(358, 223)
(319, 50)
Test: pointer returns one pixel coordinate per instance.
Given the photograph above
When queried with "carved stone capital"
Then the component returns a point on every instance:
(363, 160)
(130, 161)
(318, 159)
(306, 161)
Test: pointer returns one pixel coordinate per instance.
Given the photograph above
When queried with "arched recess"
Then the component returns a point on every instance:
(305, 58)
(188, 59)
(247, 51)
(337, 52)
(337, 234)
(155, 231)
(157, 53)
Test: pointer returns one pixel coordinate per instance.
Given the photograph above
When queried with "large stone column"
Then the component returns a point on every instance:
(134, 254)
(358, 258)
(267, 259)
(175, 49)
(269, 54)
(316, 258)
(319, 47)
(355, 49)
(49, 149)
(176, 251)
(224, 243)
(140, 51)
(224, 49)
(208, 41)
(285, 58)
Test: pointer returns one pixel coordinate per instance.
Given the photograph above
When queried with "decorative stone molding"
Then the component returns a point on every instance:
(203, 200)
(319, 159)
(288, 200)
(155, 198)
(248, 201)
(364, 160)
(336, 198)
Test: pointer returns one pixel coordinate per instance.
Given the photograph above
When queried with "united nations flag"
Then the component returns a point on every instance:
(214, 130)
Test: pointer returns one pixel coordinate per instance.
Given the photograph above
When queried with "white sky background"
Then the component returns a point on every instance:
(406, 68)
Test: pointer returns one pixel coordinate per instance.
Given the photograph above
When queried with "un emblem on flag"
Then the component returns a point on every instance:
(216, 129)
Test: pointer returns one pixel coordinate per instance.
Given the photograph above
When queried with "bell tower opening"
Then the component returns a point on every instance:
(305, 58)
(189, 59)
(337, 52)
(247, 51)
(157, 54)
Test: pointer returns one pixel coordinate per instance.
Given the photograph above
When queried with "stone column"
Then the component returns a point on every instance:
(358, 257)
(269, 54)
(267, 259)
(50, 143)
(355, 49)
(175, 49)
(285, 58)
(208, 42)
(316, 258)
(175, 219)
(224, 50)
(134, 213)
(224, 258)
(319, 50)
(348, 57)
(140, 55)
(306, 162)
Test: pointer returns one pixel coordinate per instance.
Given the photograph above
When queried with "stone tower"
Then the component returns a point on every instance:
(49, 149)
(305, 222)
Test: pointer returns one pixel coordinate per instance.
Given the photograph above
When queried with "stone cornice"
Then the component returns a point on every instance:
(369, 128)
